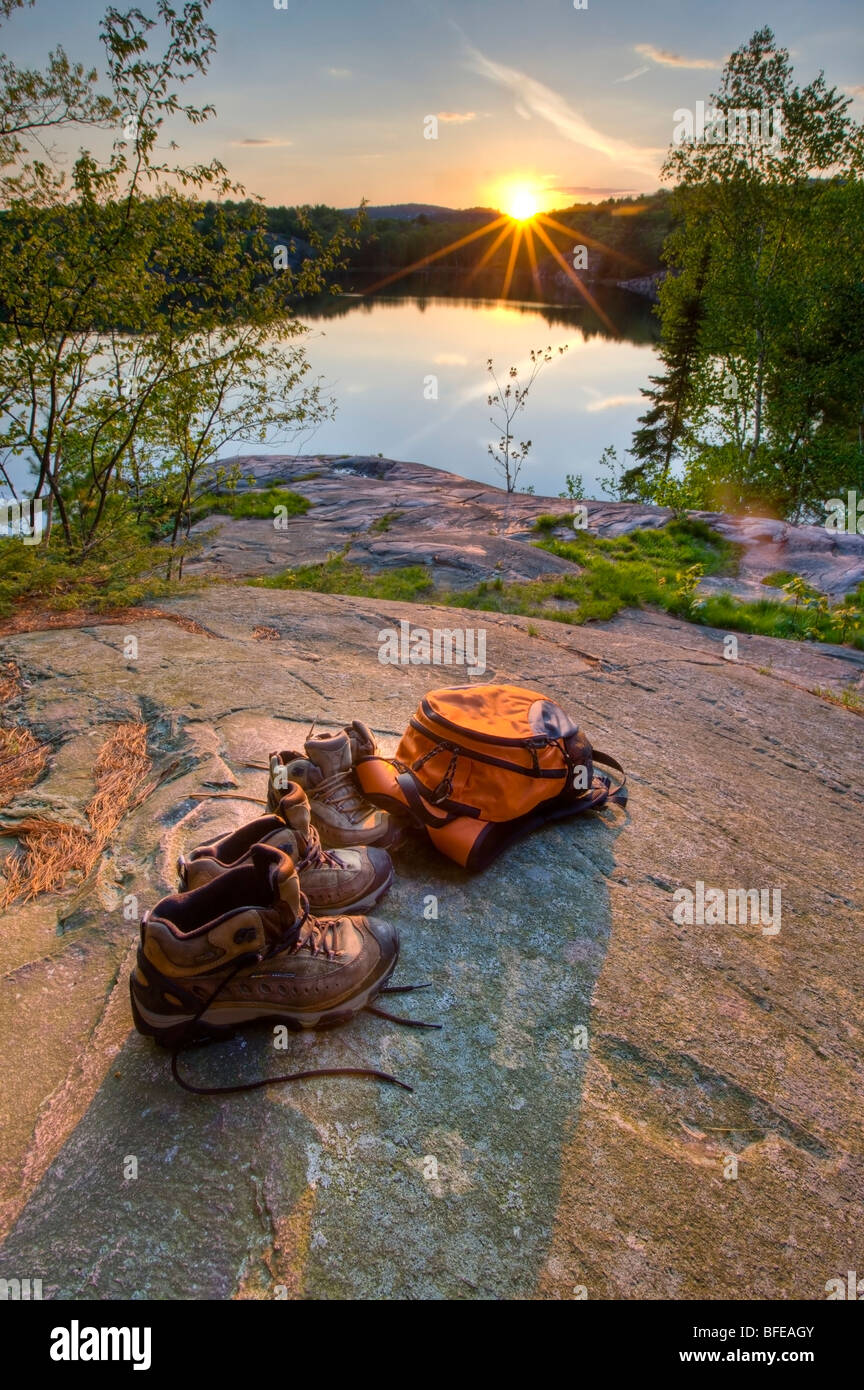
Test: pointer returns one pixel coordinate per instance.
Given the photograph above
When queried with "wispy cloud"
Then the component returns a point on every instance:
(457, 117)
(534, 98)
(338, 72)
(637, 72)
(579, 191)
(271, 144)
(673, 60)
(612, 403)
(855, 91)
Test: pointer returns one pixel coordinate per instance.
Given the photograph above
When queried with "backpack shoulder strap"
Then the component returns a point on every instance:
(417, 805)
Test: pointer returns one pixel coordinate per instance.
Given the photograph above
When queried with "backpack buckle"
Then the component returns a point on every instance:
(441, 792)
(445, 786)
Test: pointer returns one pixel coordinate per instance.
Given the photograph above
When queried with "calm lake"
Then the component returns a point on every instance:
(377, 353)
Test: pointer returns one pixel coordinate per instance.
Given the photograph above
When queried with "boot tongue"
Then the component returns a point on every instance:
(331, 753)
(362, 740)
(294, 810)
(279, 880)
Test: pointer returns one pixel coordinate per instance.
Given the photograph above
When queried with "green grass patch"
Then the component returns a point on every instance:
(117, 574)
(599, 592)
(383, 523)
(335, 575)
(777, 578)
(849, 698)
(668, 549)
(260, 504)
(658, 568)
(548, 520)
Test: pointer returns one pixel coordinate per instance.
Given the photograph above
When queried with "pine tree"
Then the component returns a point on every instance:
(664, 424)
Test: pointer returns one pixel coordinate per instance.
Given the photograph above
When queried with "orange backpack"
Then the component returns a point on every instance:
(480, 765)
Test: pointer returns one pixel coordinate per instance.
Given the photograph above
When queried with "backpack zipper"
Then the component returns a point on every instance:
(538, 741)
(460, 751)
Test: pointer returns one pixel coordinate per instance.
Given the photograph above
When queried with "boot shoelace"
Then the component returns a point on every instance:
(316, 856)
(313, 937)
(340, 791)
(317, 935)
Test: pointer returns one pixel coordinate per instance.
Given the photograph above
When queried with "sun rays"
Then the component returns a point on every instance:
(521, 224)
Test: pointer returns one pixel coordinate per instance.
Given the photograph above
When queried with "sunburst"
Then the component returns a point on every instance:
(520, 223)
(522, 204)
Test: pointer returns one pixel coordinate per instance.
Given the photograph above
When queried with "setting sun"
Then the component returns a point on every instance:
(522, 204)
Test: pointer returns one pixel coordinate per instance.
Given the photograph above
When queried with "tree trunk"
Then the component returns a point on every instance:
(757, 408)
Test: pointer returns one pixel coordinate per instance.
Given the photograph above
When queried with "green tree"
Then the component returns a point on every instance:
(762, 318)
(664, 426)
(140, 327)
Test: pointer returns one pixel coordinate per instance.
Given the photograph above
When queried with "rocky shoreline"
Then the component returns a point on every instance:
(465, 531)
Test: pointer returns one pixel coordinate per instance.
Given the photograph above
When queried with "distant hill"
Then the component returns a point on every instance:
(431, 238)
(407, 212)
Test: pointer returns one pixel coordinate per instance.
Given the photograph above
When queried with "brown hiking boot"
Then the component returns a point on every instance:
(326, 772)
(244, 948)
(334, 881)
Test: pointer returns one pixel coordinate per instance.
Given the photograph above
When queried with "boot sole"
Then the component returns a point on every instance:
(172, 1030)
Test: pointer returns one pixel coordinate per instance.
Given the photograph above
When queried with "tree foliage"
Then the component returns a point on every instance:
(761, 397)
(143, 326)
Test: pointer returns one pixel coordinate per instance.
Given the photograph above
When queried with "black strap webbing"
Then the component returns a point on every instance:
(417, 806)
(619, 796)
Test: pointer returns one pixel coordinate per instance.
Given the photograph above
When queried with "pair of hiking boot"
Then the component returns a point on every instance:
(243, 941)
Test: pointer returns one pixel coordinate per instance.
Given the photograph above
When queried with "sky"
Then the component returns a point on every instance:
(328, 101)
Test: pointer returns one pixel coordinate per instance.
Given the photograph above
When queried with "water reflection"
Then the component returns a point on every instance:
(408, 373)
(630, 314)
